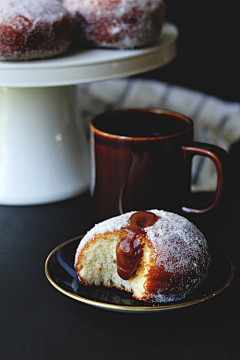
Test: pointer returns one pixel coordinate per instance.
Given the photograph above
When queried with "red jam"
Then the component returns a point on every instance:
(129, 249)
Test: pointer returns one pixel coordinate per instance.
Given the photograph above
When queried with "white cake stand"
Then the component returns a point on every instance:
(43, 150)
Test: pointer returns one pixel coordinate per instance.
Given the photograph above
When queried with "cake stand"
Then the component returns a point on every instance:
(43, 148)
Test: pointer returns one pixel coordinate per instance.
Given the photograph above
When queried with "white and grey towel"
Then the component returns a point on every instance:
(216, 121)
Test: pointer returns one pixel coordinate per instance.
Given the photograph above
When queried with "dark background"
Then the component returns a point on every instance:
(208, 47)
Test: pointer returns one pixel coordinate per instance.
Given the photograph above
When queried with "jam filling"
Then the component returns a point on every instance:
(129, 249)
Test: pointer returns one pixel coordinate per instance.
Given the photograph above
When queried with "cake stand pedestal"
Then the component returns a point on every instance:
(43, 149)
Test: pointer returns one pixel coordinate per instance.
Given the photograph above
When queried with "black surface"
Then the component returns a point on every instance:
(38, 322)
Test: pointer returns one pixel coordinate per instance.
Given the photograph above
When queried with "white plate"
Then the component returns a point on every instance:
(90, 65)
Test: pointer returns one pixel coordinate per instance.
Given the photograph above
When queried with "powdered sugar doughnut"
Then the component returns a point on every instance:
(156, 255)
(117, 23)
(31, 29)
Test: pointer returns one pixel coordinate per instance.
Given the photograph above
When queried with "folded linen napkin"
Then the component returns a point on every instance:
(215, 121)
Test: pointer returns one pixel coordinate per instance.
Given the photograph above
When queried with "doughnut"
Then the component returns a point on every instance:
(157, 256)
(34, 29)
(124, 24)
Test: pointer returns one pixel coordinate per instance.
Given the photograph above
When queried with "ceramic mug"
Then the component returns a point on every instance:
(141, 159)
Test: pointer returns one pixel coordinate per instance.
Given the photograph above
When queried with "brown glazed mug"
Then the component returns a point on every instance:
(141, 159)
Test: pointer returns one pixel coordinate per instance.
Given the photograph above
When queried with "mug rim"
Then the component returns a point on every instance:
(155, 111)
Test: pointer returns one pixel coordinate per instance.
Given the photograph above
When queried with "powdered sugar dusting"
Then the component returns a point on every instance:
(117, 23)
(109, 7)
(172, 236)
(34, 10)
(33, 29)
(176, 238)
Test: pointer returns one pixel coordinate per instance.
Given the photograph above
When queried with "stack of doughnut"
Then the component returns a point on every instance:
(37, 29)
(33, 29)
(125, 24)
(157, 256)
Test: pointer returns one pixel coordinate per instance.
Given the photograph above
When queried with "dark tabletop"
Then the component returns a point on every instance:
(38, 322)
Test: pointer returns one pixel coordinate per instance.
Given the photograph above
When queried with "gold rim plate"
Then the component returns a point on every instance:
(60, 271)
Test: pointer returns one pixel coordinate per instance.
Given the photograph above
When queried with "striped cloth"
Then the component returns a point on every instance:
(215, 121)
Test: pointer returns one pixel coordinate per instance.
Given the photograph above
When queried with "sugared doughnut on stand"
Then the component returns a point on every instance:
(124, 24)
(34, 29)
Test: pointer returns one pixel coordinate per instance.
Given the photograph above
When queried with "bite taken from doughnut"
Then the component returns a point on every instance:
(122, 24)
(34, 29)
(157, 256)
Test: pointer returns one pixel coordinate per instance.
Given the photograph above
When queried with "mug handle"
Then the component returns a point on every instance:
(219, 158)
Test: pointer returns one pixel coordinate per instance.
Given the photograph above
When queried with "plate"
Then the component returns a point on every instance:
(60, 271)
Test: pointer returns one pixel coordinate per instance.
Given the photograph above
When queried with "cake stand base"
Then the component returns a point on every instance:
(43, 149)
